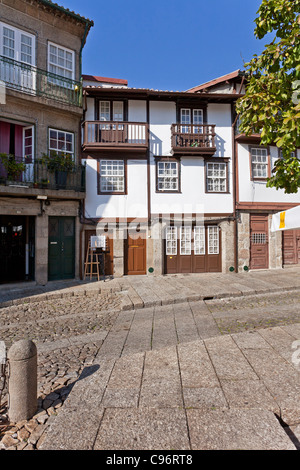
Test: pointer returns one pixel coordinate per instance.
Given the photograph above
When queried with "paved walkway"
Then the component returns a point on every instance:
(160, 384)
(147, 291)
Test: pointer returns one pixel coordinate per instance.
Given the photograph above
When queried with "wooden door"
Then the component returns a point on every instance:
(291, 247)
(61, 248)
(135, 253)
(193, 249)
(259, 246)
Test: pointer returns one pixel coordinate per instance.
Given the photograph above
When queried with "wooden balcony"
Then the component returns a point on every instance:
(193, 139)
(113, 135)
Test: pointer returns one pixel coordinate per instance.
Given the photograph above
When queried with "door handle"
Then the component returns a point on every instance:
(62, 246)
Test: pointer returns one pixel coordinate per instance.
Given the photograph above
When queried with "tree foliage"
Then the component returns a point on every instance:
(270, 106)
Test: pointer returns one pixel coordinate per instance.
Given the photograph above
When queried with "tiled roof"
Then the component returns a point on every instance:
(94, 78)
(51, 4)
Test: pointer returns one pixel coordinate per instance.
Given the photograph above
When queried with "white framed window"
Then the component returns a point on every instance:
(216, 177)
(112, 176)
(213, 239)
(104, 111)
(118, 111)
(17, 44)
(259, 162)
(199, 240)
(171, 241)
(28, 144)
(61, 142)
(167, 176)
(185, 240)
(185, 120)
(197, 121)
(61, 61)
(28, 153)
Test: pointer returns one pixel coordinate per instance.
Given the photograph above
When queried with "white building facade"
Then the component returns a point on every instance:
(255, 245)
(159, 178)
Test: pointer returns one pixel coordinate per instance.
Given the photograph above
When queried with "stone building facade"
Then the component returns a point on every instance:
(41, 47)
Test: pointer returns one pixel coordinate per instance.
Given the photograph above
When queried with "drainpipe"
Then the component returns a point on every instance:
(234, 179)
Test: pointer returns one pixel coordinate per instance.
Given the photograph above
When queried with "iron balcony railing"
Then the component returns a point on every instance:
(37, 174)
(37, 82)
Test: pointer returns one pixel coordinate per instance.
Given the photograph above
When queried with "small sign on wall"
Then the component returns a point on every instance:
(98, 241)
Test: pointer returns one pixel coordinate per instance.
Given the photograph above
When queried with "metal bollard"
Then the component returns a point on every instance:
(22, 380)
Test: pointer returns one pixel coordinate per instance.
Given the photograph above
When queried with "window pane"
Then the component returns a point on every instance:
(185, 240)
(199, 240)
(216, 175)
(167, 179)
(112, 177)
(171, 240)
(213, 240)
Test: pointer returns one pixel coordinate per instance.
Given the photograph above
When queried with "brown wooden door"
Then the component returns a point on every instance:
(135, 253)
(109, 255)
(193, 249)
(291, 247)
(259, 246)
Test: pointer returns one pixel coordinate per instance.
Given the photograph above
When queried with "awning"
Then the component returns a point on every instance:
(286, 220)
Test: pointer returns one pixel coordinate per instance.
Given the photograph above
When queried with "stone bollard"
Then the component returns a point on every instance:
(22, 380)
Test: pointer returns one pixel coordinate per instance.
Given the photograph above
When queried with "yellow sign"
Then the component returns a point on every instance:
(282, 220)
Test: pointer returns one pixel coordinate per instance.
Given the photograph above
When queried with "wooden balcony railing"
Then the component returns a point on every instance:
(113, 134)
(193, 138)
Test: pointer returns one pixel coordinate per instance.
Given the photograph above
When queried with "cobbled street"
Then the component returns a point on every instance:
(70, 332)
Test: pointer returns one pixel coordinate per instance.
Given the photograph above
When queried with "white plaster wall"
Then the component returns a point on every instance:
(133, 204)
(192, 198)
(257, 191)
(162, 115)
(137, 111)
(220, 115)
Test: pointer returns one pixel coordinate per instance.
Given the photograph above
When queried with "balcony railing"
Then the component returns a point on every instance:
(38, 175)
(193, 138)
(36, 82)
(113, 134)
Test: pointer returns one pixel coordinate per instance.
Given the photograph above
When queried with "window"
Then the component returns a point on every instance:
(17, 44)
(185, 240)
(61, 142)
(216, 177)
(199, 240)
(167, 176)
(61, 62)
(213, 240)
(191, 116)
(28, 144)
(259, 163)
(111, 111)
(112, 176)
(171, 241)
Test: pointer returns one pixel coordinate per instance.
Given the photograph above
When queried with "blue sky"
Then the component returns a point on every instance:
(168, 44)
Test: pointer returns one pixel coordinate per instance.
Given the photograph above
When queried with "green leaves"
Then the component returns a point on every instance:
(270, 106)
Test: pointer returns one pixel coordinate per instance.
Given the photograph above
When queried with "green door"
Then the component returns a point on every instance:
(61, 250)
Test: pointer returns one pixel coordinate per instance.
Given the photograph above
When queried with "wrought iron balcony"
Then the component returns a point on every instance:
(36, 174)
(193, 139)
(37, 82)
(113, 135)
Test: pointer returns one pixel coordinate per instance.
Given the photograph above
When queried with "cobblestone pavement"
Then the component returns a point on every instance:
(69, 333)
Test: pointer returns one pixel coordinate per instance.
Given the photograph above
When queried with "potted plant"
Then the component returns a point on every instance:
(13, 168)
(59, 164)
